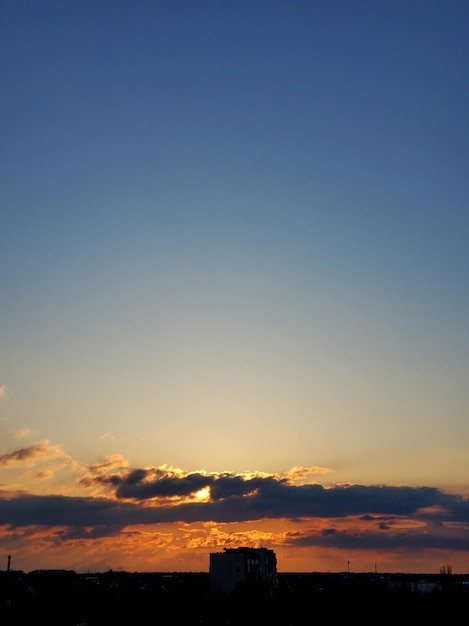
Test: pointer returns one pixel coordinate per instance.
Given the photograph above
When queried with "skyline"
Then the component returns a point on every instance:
(234, 291)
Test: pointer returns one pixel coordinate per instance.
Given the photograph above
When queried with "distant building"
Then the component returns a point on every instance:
(253, 569)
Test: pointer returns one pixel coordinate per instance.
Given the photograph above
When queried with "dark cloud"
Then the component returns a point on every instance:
(165, 487)
(384, 525)
(382, 539)
(52, 510)
(228, 486)
(147, 484)
(130, 478)
(41, 449)
(233, 498)
(153, 496)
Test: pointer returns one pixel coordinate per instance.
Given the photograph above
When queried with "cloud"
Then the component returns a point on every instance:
(235, 499)
(112, 462)
(108, 472)
(269, 495)
(19, 433)
(40, 451)
(107, 435)
(2, 391)
(340, 516)
(300, 474)
(382, 539)
(163, 482)
(56, 510)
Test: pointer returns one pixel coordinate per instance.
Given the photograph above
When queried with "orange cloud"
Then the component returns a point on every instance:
(107, 435)
(111, 462)
(19, 433)
(300, 474)
(304, 545)
(162, 517)
(94, 474)
(41, 451)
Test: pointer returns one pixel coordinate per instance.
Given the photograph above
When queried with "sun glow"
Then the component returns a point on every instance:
(203, 495)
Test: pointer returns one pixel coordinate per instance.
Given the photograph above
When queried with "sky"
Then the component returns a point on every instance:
(234, 291)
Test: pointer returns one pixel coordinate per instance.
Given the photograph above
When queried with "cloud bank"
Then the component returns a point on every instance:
(340, 516)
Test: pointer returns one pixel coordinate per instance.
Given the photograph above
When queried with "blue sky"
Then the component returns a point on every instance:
(234, 236)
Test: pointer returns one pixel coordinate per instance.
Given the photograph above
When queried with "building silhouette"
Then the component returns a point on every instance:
(243, 569)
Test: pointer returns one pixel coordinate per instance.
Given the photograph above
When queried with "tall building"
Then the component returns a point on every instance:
(253, 569)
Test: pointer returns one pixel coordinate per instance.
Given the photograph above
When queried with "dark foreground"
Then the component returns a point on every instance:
(64, 598)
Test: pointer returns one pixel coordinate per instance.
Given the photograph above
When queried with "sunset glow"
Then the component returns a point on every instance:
(234, 294)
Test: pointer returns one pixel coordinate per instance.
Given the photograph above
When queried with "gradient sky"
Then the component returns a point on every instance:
(234, 289)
